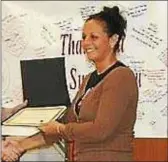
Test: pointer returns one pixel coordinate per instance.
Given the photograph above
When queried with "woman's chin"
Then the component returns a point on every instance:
(91, 56)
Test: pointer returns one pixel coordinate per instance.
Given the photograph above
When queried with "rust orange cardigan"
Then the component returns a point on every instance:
(104, 129)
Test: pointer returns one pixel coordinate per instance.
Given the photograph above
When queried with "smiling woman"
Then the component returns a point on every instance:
(102, 34)
(96, 41)
(102, 115)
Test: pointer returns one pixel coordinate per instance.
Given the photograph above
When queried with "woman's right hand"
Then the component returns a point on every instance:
(11, 150)
(51, 131)
(51, 128)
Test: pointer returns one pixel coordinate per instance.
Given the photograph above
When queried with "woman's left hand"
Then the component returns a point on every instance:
(52, 128)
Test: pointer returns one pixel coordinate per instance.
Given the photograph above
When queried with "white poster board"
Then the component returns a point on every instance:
(41, 29)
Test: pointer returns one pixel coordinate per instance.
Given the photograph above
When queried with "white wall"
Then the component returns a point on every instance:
(24, 37)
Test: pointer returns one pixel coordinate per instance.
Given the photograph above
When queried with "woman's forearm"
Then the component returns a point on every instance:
(37, 141)
(33, 142)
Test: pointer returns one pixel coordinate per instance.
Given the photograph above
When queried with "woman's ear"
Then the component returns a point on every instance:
(113, 40)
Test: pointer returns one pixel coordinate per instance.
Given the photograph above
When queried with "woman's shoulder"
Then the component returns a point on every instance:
(123, 69)
(122, 72)
(120, 78)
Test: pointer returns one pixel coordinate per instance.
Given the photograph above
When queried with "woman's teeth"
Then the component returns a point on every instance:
(89, 50)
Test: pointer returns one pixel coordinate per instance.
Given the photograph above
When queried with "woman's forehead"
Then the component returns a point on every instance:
(93, 26)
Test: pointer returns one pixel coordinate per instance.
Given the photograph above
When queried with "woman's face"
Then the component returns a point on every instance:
(96, 42)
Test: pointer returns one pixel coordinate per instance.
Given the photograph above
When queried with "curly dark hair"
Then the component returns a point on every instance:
(114, 24)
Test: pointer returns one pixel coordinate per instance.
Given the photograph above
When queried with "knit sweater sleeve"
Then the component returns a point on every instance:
(113, 104)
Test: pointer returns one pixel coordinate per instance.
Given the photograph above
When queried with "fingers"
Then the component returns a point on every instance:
(43, 127)
(10, 157)
(25, 103)
(17, 147)
(11, 150)
(10, 153)
(22, 105)
(51, 131)
(51, 128)
(48, 127)
(5, 143)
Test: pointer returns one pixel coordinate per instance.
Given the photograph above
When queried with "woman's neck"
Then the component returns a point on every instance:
(103, 66)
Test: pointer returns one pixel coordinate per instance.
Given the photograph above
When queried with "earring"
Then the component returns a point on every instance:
(114, 40)
(111, 45)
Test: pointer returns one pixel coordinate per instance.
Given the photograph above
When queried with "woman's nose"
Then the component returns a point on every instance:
(87, 41)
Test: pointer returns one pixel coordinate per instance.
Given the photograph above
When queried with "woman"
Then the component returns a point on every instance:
(103, 113)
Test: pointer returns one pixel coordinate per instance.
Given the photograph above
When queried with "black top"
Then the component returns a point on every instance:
(94, 79)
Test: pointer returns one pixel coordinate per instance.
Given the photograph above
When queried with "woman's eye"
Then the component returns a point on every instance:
(83, 37)
(94, 37)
